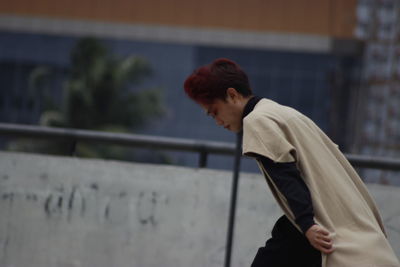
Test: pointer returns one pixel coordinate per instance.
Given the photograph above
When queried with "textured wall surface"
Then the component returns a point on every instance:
(58, 211)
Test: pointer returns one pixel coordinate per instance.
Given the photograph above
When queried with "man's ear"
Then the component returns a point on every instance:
(232, 93)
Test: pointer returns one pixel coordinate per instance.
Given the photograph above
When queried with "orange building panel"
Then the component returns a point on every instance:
(324, 17)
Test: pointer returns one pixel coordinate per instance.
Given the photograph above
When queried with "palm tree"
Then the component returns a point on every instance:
(97, 96)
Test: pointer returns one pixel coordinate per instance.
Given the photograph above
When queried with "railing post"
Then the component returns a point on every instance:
(232, 208)
(203, 159)
(72, 150)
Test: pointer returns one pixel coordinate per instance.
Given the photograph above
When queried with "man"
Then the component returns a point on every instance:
(330, 219)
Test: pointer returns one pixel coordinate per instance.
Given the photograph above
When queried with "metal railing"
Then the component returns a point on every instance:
(204, 148)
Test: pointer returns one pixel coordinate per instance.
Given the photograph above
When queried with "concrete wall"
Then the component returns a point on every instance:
(58, 211)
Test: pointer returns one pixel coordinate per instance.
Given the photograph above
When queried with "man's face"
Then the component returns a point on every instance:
(227, 114)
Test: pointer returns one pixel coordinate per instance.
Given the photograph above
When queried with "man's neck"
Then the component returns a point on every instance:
(251, 103)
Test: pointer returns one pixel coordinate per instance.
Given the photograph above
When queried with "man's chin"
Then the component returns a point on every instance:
(235, 130)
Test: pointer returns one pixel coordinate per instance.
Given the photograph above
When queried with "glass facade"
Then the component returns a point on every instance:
(300, 80)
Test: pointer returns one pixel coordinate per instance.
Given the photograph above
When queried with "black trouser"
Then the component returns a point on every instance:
(287, 248)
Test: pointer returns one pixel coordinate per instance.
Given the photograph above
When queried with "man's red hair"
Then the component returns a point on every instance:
(211, 81)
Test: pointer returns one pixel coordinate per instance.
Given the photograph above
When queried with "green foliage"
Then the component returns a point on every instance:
(96, 96)
(39, 88)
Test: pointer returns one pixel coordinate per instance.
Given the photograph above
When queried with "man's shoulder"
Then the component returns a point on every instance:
(268, 110)
(255, 117)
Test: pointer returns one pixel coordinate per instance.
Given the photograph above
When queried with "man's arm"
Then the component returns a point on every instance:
(288, 179)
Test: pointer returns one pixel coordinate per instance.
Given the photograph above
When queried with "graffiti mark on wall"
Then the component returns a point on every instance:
(146, 207)
(90, 201)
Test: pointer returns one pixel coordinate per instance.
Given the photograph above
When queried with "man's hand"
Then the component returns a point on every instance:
(320, 239)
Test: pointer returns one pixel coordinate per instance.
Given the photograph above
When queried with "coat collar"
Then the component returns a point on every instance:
(250, 105)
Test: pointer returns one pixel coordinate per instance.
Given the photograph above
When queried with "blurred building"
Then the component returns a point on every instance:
(302, 53)
(378, 127)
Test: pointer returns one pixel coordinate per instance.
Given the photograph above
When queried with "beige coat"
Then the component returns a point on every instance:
(340, 199)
